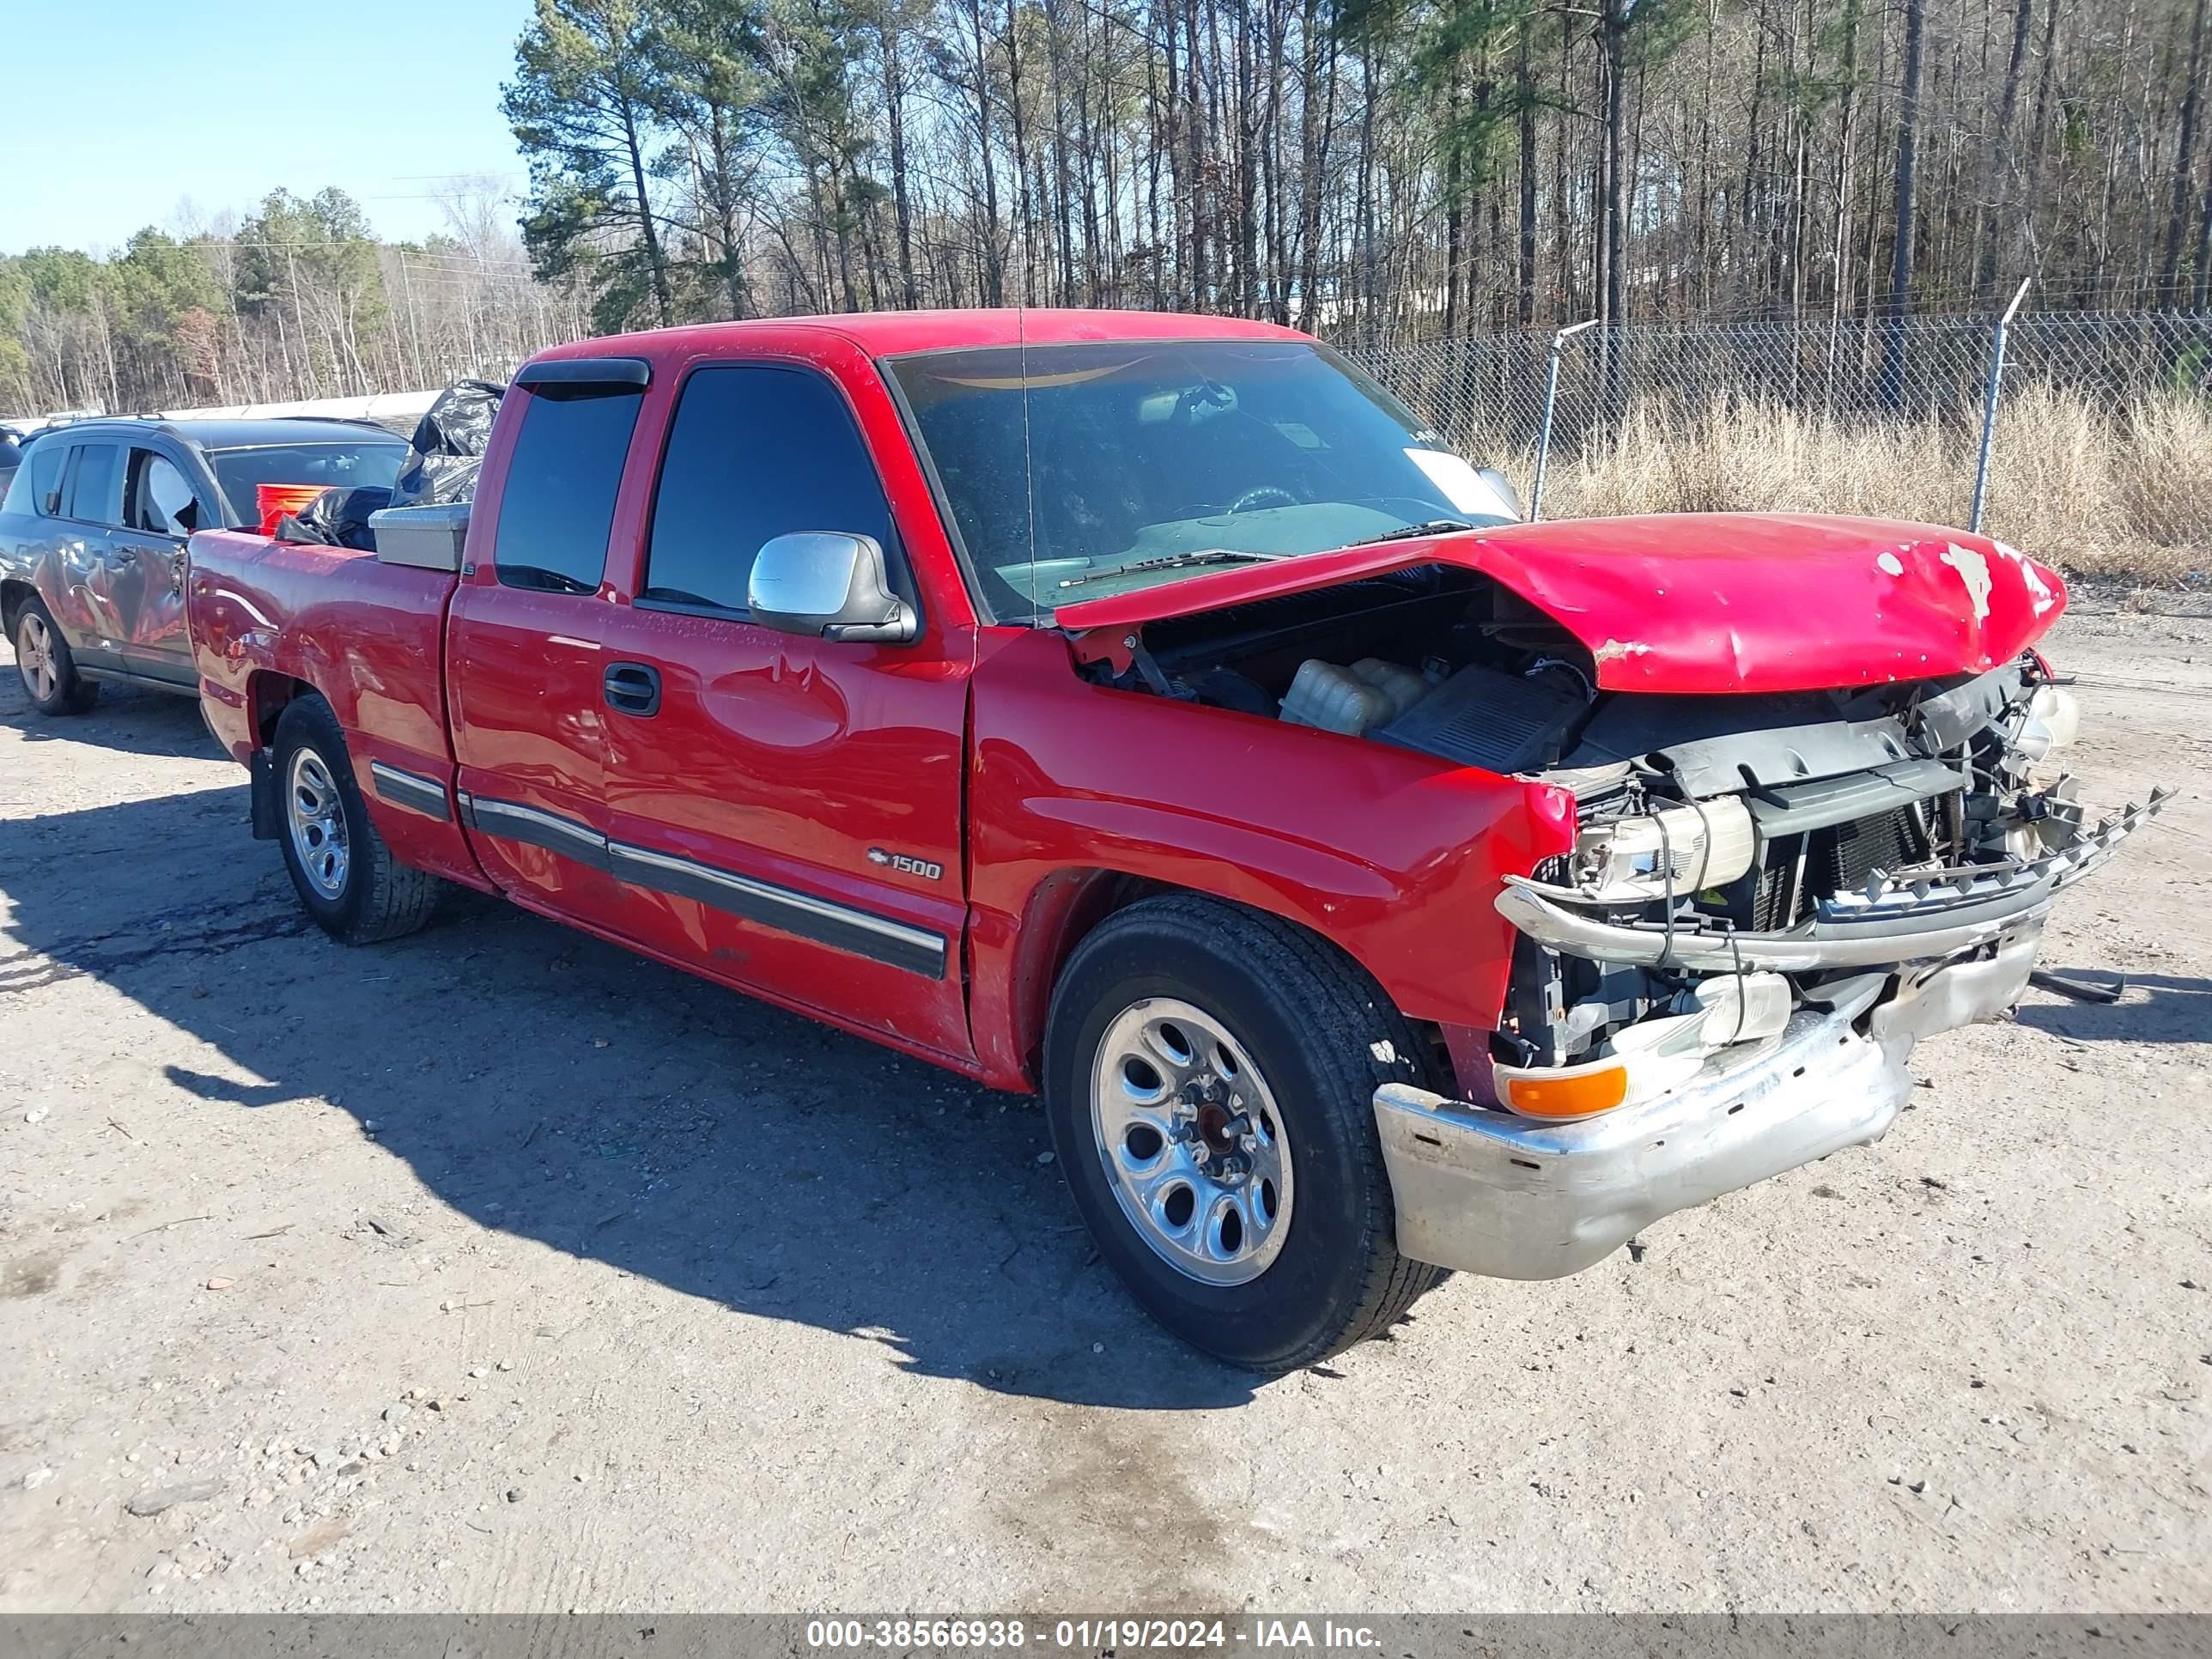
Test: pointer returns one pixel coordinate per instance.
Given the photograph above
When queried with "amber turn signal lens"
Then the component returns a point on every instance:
(1584, 1094)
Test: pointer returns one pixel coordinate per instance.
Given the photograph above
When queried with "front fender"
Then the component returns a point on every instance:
(1395, 857)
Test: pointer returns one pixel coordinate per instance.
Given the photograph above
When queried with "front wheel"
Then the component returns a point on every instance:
(49, 671)
(344, 874)
(1210, 1074)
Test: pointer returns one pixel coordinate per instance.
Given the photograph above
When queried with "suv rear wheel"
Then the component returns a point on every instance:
(49, 671)
(1210, 1075)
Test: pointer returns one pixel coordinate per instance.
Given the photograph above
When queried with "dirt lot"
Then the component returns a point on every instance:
(498, 1270)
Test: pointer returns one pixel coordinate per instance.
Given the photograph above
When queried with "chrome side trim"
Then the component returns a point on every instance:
(411, 790)
(512, 821)
(800, 915)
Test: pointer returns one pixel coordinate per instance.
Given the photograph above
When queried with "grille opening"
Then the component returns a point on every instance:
(1772, 895)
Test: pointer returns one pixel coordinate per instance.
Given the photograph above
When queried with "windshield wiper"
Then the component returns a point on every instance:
(1173, 562)
(1405, 532)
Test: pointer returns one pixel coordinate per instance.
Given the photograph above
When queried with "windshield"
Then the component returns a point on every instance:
(333, 466)
(1077, 471)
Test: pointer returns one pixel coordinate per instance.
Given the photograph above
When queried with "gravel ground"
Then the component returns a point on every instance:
(497, 1270)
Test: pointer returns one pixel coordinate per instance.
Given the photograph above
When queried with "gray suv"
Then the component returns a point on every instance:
(93, 525)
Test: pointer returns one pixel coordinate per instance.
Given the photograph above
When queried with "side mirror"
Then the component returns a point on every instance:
(828, 586)
(1506, 492)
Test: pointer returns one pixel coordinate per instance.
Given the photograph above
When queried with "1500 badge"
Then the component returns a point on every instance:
(905, 866)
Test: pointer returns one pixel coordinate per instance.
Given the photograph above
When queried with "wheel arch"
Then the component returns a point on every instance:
(267, 693)
(1067, 905)
(13, 590)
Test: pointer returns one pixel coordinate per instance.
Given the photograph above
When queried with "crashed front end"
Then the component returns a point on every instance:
(1770, 899)
(1815, 773)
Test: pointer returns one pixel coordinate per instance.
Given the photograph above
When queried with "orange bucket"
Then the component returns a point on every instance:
(273, 501)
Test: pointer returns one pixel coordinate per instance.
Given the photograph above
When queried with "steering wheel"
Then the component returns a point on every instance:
(1261, 496)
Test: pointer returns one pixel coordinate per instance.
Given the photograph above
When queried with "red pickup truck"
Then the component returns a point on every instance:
(1150, 713)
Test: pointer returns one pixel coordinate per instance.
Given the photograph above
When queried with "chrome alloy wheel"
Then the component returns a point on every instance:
(315, 814)
(35, 656)
(1191, 1141)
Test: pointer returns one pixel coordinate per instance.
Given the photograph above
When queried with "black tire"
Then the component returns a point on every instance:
(375, 896)
(38, 640)
(1323, 1037)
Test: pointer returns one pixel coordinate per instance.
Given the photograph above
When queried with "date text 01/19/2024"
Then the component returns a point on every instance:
(1004, 1635)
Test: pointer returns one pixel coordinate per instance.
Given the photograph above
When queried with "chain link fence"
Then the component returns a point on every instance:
(1842, 375)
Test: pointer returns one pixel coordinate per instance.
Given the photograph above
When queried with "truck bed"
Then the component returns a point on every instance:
(269, 617)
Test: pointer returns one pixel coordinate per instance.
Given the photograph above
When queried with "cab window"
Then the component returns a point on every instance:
(755, 453)
(555, 518)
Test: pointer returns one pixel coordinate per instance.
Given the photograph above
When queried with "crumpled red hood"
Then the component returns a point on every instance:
(1703, 602)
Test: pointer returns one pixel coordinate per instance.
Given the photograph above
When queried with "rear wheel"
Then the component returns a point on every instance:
(343, 872)
(1210, 1075)
(48, 669)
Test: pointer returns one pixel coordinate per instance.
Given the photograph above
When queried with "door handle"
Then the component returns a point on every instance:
(632, 688)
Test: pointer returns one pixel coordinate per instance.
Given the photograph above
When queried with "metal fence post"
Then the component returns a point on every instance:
(1989, 407)
(1550, 399)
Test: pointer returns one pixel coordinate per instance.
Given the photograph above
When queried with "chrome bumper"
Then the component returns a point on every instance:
(1485, 1192)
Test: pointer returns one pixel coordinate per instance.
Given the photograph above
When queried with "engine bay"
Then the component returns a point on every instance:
(1728, 817)
(1436, 659)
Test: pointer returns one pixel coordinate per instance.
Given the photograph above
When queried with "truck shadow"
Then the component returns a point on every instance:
(548, 1086)
(130, 719)
(2156, 1008)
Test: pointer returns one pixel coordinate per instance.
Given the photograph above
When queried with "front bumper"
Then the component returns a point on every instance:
(1489, 1193)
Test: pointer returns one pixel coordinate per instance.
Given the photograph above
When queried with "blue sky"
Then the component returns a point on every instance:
(115, 111)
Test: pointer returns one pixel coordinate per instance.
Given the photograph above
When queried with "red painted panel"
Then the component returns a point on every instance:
(524, 670)
(789, 760)
(1392, 854)
(365, 635)
(887, 333)
(1704, 602)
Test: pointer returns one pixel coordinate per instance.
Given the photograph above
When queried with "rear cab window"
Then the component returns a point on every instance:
(558, 506)
(756, 451)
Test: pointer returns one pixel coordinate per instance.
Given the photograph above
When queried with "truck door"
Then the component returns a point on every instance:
(784, 812)
(523, 647)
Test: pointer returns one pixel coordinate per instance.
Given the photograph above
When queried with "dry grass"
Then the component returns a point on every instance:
(2120, 492)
